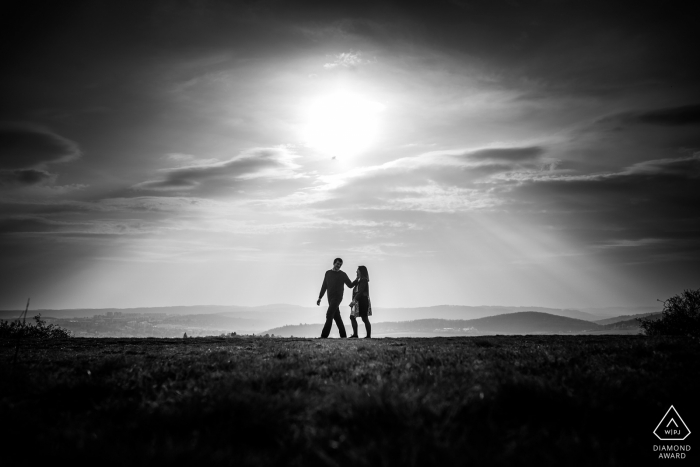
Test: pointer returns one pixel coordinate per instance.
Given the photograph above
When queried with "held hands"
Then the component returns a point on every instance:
(352, 304)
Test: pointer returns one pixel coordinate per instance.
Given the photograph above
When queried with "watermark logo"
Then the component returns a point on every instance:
(671, 427)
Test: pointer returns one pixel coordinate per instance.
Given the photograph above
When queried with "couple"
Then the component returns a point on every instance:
(333, 282)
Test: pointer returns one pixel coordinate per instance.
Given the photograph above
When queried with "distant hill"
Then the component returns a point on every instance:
(528, 322)
(278, 319)
(274, 316)
(632, 324)
(470, 312)
(213, 321)
(277, 315)
(88, 312)
(614, 311)
(618, 319)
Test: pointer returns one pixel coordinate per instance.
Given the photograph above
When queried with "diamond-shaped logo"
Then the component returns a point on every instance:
(671, 427)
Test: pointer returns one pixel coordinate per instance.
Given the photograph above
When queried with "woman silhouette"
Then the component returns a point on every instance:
(360, 305)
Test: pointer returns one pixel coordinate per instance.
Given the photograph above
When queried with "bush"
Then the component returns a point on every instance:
(40, 329)
(680, 317)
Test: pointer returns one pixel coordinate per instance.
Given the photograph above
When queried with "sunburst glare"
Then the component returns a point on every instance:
(342, 124)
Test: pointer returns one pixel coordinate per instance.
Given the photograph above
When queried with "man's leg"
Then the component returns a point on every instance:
(330, 313)
(339, 322)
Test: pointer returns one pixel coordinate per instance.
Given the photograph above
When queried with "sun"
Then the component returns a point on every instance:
(342, 124)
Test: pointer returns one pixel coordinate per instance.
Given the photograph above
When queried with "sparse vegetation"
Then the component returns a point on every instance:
(680, 317)
(38, 330)
(496, 400)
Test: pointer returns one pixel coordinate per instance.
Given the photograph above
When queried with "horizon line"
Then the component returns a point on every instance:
(321, 306)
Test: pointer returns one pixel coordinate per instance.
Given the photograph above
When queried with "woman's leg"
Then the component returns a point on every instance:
(363, 303)
(353, 320)
(368, 326)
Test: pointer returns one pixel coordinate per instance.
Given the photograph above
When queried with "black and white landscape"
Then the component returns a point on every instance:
(513, 183)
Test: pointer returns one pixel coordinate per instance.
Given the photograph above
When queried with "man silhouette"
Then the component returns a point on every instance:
(333, 282)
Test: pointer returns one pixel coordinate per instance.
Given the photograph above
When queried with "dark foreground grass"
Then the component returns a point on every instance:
(515, 400)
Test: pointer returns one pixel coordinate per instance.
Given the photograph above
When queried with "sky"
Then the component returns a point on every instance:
(542, 153)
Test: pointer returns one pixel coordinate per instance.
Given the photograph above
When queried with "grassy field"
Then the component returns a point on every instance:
(504, 400)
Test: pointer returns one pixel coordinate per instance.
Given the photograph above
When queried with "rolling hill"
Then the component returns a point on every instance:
(618, 319)
(616, 311)
(276, 317)
(528, 322)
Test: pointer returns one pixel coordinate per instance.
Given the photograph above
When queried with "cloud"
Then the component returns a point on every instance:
(25, 177)
(66, 227)
(51, 206)
(448, 168)
(444, 181)
(347, 60)
(673, 116)
(651, 206)
(655, 199)
(664, 117)
(27, 146)
(259, 163)
(626, 138)
(684, 167)
(189, 160)
(153, 204)
(517, 154)
(34, 224)
(26, 149)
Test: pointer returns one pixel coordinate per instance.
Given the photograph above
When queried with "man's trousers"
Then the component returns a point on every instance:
(333, 314)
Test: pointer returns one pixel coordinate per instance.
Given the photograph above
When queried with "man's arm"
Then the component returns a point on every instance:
(323, 291)
(348, 282)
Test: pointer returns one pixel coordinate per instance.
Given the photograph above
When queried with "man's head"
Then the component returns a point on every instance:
(337, 263)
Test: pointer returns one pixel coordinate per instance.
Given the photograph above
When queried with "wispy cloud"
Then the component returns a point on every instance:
(440, 181)
(656, 199)
(516, 154)
(260, 163)
(670, 116)
(26, 145)
(347, 60)
(25, 177)
(26, 150)
(189, 160)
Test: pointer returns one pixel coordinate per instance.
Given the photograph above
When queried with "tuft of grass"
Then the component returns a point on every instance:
(38, 330)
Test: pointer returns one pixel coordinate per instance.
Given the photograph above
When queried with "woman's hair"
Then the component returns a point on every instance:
(363, 272)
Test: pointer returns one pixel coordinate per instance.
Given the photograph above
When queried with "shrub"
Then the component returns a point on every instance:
(38, 330)
(679, 317)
